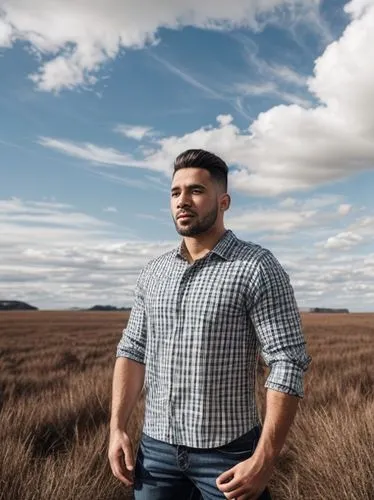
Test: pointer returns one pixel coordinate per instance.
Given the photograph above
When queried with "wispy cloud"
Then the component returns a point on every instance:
(269, 78)
(288, 75)
(72, 55)
(270, 88)
(90, 152)
(186, 77)
(223, 94)
(313, 19)
(135, 132)
(268, 71)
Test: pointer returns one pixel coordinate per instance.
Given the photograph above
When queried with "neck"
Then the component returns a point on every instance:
(198, 246)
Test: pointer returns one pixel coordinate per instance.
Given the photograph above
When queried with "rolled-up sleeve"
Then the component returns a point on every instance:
(276, 319)
(134, 337)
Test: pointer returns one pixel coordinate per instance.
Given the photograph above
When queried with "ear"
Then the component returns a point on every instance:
(225, 202)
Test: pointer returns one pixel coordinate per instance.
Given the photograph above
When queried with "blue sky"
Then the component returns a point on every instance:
(96, 100)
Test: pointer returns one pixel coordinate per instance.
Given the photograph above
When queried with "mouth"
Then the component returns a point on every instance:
(184, 216)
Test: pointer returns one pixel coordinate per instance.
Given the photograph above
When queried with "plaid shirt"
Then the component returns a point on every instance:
(199, 329)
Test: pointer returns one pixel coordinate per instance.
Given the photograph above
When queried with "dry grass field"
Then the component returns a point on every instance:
(55, 385)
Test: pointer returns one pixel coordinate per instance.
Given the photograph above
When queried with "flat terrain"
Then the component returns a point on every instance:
(55, 385)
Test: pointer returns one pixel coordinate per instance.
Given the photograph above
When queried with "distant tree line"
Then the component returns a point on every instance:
(328, 310)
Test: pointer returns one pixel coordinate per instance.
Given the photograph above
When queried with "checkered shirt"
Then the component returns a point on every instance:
(199, 329)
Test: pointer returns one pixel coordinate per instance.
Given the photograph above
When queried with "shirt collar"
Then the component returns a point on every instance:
(222, 249)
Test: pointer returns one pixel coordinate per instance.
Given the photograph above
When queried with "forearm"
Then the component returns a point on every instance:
(280, 412)
(128, 380)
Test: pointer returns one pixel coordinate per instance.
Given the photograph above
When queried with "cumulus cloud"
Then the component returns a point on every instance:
(287, 148)
(288, 217)
(64, 257)
(82, 260)
(358, 232)
(343, 241)
(5, 34)
(75, 37)
(273, 220)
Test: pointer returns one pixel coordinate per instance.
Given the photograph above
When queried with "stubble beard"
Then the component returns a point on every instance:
(199, 225)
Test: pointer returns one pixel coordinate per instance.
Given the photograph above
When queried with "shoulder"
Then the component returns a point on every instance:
(251, 253)
(156, 264)
(259, 261)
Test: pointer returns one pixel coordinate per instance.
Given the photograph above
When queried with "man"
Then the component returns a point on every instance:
(202, 314)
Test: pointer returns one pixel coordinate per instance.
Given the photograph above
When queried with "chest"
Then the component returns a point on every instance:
(202, 292)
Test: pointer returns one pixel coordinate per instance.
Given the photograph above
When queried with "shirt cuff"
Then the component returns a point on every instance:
(130, 350)
(286, 377)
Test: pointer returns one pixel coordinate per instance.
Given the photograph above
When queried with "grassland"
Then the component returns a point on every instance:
(55, 385)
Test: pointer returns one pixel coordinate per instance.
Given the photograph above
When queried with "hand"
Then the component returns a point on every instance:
(121, 456)
(246, 481)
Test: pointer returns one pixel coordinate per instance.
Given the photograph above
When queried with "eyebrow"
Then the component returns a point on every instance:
(190, 187)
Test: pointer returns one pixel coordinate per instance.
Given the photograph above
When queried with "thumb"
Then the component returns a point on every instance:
(129, 459)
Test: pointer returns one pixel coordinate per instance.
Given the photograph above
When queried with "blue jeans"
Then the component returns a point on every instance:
(173, 472)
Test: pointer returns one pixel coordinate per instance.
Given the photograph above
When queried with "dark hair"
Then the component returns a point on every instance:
(199, 158)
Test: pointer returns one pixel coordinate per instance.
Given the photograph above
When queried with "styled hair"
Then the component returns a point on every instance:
(199, 158)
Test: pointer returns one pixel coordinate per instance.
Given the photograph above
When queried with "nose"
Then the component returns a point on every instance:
(183, 200)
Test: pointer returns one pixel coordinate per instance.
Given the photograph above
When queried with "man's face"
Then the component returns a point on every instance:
(194, 201)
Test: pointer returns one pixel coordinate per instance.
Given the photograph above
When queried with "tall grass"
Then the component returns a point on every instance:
(55, 385)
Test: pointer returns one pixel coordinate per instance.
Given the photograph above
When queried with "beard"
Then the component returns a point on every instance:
(198, 225)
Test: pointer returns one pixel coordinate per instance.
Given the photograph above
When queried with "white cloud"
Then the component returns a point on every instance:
(133, 131)
(344, 209)
(256, 89)
(357, 7)
(288, 216)
(111, 210)
(287, 148)
(288, 203)
(320, 201)
(271, 88)
(92, 153)
(185, 76)
(54, 215)
(75, 37)
(87, 261)
(266, 71)
(64, 257)
(279, 221)
(5, 34)
(224, 120)
(290, 148)
(343, 241)
(288, 75)
(358, 232)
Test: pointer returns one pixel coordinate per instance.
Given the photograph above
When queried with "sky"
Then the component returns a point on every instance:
(98, 98)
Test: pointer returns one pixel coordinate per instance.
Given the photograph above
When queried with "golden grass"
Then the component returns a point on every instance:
(55, 385)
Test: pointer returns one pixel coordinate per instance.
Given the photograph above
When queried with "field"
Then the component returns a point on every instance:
(55, 385)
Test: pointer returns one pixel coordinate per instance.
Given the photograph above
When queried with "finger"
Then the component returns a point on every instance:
(230, 486)
(225, 477)
(125, 480)
(128, 456)
(239, 494)
(119, 473)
